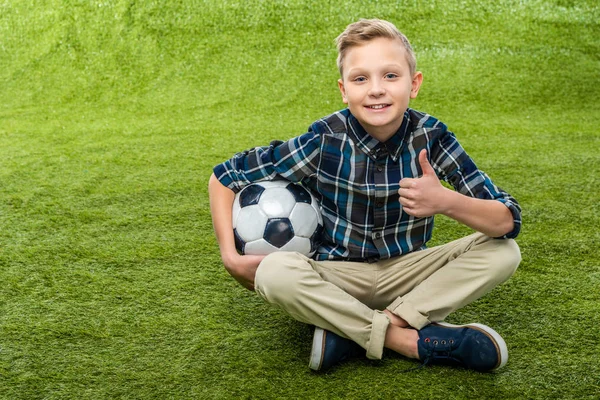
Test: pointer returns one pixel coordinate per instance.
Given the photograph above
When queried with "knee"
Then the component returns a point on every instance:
(279, 275)
(506, 259)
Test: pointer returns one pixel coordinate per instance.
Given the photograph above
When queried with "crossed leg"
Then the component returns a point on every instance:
(412, 290)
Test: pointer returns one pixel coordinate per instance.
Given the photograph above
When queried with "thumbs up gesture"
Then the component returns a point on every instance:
(424, 196)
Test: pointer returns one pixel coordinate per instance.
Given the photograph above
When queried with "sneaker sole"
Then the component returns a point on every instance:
(316, 353)
(495, 336)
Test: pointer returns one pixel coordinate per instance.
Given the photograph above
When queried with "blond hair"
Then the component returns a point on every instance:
(365, 30)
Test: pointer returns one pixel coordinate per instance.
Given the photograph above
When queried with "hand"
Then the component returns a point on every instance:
(243, 268)
(424, 196)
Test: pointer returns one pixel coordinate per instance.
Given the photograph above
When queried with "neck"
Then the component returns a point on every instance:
(382, 136)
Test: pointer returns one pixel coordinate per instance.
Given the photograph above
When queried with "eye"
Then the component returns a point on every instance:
(391, 75)
(360, 79)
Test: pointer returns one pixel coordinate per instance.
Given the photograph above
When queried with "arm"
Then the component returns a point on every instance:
(241, 268)
(293, 160)
(425, 196)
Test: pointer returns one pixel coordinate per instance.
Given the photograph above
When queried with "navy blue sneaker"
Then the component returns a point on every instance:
(329, 349)
(472, 346)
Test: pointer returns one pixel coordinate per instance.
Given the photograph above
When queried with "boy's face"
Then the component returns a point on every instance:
(377, 85)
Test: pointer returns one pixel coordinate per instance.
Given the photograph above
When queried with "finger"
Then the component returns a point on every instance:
(405, 193)
(425, 164)
(245, 283)
(248, 284)
(406, 203)
(407, 183)
(408, 210)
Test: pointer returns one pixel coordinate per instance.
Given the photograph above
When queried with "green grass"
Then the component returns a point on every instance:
(113, 113)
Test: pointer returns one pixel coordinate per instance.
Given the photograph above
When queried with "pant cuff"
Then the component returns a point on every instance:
(377, 337)
(408, 313)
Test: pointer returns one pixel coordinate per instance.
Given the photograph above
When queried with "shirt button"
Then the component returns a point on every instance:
(379, 203)
(379, 168)
(377, 235)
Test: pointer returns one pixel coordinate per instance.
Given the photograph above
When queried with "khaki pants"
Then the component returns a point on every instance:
(420, 287)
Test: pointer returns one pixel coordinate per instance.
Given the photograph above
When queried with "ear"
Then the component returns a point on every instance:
(342, 91)
(416, 84)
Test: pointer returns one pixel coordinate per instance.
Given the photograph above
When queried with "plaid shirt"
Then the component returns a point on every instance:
(356, 178)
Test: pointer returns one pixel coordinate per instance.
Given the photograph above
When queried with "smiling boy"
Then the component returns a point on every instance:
(376, 167)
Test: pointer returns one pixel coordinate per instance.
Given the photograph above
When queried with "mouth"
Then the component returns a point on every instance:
(378, 106)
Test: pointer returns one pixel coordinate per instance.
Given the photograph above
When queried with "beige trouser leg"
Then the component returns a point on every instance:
(421, 287)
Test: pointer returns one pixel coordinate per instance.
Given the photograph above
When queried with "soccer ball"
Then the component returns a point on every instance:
(276, 216)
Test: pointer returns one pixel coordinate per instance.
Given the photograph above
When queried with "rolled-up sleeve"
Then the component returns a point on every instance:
(515, 210)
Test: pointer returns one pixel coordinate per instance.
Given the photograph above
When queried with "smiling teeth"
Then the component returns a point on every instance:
(378, 106)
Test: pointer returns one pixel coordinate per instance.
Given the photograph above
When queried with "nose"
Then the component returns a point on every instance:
(376, 89)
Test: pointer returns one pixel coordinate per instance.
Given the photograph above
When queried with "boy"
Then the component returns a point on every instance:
(376, 167)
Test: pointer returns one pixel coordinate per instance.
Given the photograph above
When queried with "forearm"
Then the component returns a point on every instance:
(221, 203)
(241, 267)
(490, 217)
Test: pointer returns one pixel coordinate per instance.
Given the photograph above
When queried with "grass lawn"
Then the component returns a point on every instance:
(113, 113)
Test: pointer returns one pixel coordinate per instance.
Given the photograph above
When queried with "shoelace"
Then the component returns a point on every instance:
(430, 354)
(442, 349)
(431, 349)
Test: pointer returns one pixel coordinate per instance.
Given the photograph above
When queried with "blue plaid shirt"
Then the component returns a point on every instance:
(356, 178)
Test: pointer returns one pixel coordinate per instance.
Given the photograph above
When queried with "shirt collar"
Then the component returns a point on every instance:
(373, 147)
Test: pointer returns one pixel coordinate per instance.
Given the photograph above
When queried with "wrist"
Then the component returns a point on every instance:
(450, 202)
(228, 257)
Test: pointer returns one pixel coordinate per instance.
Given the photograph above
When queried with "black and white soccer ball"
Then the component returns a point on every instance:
(276, 216)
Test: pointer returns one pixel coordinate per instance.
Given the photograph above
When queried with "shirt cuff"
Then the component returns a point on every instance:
(516, 213)
(224, 175)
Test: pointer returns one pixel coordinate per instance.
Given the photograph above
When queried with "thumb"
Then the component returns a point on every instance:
(425, 165)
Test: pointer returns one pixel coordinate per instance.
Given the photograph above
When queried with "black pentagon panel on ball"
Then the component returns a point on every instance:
(250, 195)
(278, 231)
(239, 243)
(300, 194)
